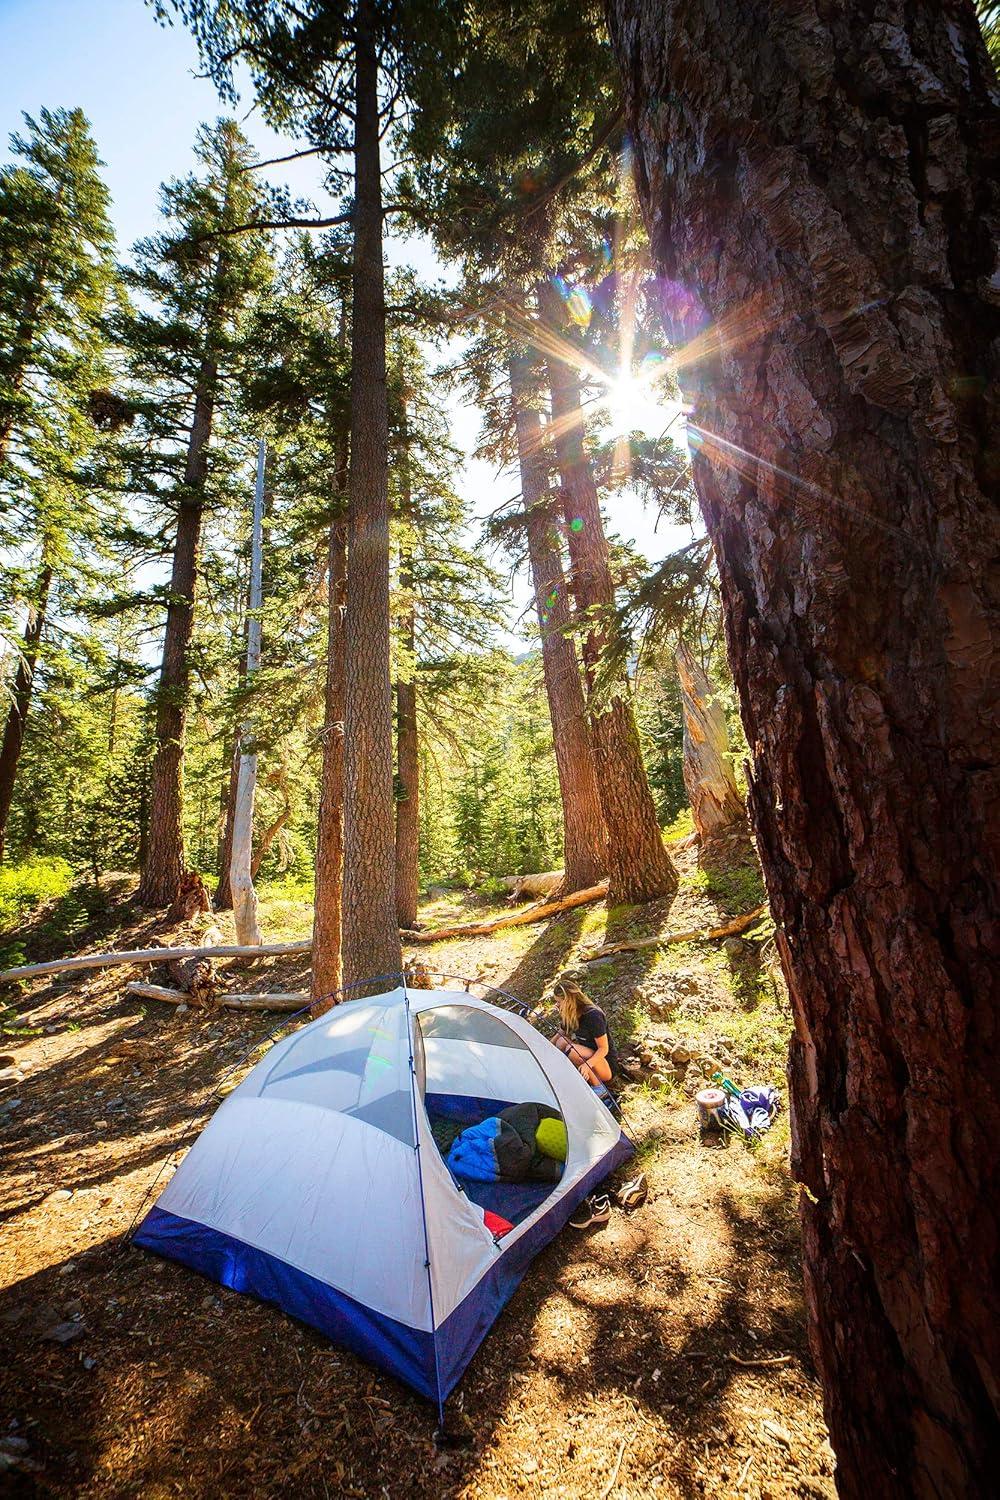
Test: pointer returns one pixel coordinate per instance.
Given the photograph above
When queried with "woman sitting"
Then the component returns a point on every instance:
(584, 1035)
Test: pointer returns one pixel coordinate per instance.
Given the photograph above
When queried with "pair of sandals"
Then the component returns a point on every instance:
(597, 1208)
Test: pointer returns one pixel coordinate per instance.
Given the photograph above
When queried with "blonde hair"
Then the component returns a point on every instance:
(572, 1003)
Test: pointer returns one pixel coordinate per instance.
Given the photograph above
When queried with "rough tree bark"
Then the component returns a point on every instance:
(720, 816)
(407, 743)
(639, 867)
(163, 866)
(20, 700)
(823, 179)
(584, 836)
(326, 968)
(370, 935)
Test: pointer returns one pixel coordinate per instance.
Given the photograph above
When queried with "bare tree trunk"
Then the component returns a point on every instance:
(720, 817)
(326, 953)
(370, 935)
(584, 836)
(639, 867)
(823, 180)
(17, 715)
(223, 898)
(164, 863)
(241, 856)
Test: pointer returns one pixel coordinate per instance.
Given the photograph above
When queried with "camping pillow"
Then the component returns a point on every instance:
(550, 1137)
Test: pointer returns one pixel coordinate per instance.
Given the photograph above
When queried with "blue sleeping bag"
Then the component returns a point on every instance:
(472, 1154)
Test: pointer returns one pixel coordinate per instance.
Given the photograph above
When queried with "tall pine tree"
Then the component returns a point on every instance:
(193, 282)
(56, 272)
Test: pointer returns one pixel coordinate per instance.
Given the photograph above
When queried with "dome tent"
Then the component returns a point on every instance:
(318, 1184)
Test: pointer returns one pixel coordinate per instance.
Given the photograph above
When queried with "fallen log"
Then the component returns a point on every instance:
(154, 956)
(252, 1001)
(196, 975)
(696, 934)
(519, 919)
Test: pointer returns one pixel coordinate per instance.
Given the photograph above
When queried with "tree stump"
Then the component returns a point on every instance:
(191, 899)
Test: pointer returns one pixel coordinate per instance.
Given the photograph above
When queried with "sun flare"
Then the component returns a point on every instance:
(637, 404)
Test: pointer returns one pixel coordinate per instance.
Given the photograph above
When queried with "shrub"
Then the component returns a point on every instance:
(29, 885)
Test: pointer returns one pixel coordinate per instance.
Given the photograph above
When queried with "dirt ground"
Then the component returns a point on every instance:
(663, 1354)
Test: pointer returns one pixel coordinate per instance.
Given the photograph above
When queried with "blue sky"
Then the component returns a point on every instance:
(137, 83)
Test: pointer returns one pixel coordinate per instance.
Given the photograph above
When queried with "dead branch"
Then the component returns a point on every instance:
(153, 956)
(696, 934)
(520, 919)
(230, 1002)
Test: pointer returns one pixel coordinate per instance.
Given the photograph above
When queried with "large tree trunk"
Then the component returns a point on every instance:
(370, 935)
(407, 743)
(720, 818)
(164, 863)
(326, 953)
(584, 836)
(824, 181)
(639, 867)
(20, 702)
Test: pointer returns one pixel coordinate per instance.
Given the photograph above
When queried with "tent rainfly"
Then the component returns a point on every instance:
(319, 1186)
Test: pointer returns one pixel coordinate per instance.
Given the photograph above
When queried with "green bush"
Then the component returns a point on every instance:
(27, 886)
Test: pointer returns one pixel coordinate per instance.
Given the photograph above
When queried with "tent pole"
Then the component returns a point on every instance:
(423, 1213)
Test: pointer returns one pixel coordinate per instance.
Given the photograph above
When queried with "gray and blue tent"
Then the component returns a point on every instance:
(319, 1185)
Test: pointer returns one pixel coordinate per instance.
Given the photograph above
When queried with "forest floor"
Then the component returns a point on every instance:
(661, 1355)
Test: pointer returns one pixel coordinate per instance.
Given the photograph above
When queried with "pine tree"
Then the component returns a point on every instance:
(193, 281)
(844, 380)
(56, 274)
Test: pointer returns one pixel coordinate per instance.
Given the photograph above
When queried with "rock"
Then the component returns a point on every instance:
(182, 1009)
(681, 1054)
(68, 1268)
(63, 1333)
(734, 946)
(11, 1075)
(61, 1195)
(646, 1059)
(686, 984)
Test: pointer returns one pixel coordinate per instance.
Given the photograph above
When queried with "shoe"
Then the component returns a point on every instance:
(595, 1210)
(633, 1193)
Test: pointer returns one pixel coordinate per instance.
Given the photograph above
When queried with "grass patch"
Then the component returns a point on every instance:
(740, 887)
(681, 827)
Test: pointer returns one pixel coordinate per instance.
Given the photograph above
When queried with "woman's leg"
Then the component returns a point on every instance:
(594, 1067)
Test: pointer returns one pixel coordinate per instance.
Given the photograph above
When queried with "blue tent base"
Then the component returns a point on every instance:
(408, 1353)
